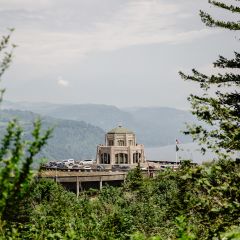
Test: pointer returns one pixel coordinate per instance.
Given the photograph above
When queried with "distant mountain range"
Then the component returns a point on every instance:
(71, 139)
(154, 126)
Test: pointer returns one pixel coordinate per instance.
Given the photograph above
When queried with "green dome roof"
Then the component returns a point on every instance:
(120, 129)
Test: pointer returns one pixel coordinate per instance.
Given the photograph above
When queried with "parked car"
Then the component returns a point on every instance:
(118, 167)
(76, 167)
(87, 162)
(60, 165)
(100, 168)
(68, 162)
(124, 167)
(52, 164)
(87, 168)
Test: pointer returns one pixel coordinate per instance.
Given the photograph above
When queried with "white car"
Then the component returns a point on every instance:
(87, 168)
(87, 162)
(68, 162)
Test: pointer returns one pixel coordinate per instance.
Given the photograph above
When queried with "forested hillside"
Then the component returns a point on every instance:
(71, 139)
(154, 126)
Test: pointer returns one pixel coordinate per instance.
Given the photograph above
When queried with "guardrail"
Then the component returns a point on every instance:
(68, 169)
(105, 170)
(83, 170)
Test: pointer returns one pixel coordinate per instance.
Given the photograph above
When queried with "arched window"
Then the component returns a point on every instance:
(121, 158)
(105, 158)
(136, 157)
(125, 158)
(121, 143)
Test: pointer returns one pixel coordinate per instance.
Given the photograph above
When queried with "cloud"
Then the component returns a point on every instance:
(25, 4)
(61, 82)
(135, 23)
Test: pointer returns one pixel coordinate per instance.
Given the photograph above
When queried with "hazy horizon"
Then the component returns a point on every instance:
(88, 103)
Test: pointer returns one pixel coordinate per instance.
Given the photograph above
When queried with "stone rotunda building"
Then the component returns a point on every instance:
(120, 148)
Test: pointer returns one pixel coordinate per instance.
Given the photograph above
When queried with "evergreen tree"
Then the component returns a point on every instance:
(6, 55)
(220, 110)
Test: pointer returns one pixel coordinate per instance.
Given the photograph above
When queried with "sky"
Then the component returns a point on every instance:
(125, 53)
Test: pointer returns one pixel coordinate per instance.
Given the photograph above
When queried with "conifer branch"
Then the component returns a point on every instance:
(231, 8)
(210, 22)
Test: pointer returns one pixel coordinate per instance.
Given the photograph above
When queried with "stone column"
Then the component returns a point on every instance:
(112, 156)
(130, 157)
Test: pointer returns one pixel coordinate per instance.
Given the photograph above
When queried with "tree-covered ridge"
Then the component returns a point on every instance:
(70, 139)
(154, 126)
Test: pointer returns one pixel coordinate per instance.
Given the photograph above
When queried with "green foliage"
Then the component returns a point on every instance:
(6, 55)
(16, 154)
(54, 209)
(183, 229)
(200, 202)
(140, 236)
(232, 234)
(16, 158)
(134, 179)
(220, 111)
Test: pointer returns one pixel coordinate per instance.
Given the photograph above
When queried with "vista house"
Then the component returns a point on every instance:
(120, 148)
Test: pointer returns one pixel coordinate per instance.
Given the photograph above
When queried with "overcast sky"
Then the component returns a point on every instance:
(117, 52)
